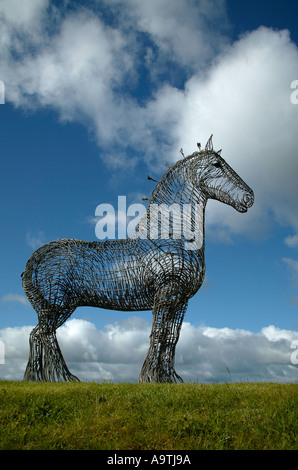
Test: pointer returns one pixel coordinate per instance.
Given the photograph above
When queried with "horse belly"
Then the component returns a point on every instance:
(116, 291)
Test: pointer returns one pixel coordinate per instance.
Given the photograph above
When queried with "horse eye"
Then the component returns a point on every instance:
(217, 165)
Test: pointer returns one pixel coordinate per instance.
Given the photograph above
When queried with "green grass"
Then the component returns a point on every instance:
(148, 416)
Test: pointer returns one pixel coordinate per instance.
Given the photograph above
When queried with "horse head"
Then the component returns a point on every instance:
(215, 179)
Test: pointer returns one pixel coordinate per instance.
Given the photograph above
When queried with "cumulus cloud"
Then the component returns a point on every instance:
(178, 30)
(23, 14)
(88, 70)
(245, 101)
(91, 71)
(15, 350)
(21, 299)
(74, 72)
(116, 352)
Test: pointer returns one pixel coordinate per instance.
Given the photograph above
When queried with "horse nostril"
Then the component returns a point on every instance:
(248, 199)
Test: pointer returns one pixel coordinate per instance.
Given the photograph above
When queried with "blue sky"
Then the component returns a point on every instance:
(99, 94)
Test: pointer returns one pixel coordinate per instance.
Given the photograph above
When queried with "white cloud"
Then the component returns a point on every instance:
(292, 241)
(209, 353)
(292, 264)
(75, 72)
(16, 351)
(23, 13)
(273, 333)
(293, 268)
(35, 240)
(116, 352)
(244, 100)
(21, 299)
(89, 71)
(181, 30)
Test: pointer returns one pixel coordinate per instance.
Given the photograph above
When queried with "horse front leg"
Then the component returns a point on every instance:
(168, 313)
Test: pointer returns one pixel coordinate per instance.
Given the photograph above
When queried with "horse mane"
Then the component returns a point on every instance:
(175, 181)
(172, 175)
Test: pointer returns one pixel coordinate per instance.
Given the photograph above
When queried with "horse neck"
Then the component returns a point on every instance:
(175, 188)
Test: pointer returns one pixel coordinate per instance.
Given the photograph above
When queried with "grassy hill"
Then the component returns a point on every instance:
(148, 416)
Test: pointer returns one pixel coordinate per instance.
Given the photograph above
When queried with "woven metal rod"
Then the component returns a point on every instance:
(147, 271)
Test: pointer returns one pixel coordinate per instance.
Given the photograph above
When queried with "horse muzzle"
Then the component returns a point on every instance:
(246, 201)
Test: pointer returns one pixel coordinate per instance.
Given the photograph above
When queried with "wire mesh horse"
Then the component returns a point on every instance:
(151, 270)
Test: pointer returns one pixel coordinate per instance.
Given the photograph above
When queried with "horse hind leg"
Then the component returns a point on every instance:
(46, 362)
(34, 369)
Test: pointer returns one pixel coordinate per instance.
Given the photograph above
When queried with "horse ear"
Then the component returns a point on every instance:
(209, 145)
(219, 152)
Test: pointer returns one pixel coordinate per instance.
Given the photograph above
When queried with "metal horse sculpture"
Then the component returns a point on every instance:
(150, 270)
